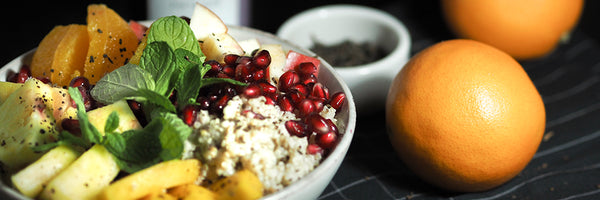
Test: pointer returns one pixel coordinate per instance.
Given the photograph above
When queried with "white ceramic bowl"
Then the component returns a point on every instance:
(310, 186)
(333, 24)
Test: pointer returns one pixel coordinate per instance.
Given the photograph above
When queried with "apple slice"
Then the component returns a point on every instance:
(204, 22)
(216, 46)
(294, 59)
(249, 46)
(276, 68)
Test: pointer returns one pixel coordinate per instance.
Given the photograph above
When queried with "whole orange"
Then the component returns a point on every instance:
(525, 29)
(464, 116)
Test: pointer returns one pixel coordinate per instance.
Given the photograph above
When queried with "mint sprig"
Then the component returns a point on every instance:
(172, 60)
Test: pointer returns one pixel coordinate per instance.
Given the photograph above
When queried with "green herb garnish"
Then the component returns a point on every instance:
(172, 60)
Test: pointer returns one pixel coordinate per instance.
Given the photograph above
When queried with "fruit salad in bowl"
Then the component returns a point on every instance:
(179, 107)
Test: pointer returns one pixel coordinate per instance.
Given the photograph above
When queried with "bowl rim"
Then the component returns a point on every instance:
(332, 161)
(401, 49)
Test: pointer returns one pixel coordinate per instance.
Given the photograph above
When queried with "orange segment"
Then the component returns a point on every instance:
(112, 42)
(464, 116)
(61, 54)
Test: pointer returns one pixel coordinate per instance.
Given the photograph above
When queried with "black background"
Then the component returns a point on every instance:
(25, 23)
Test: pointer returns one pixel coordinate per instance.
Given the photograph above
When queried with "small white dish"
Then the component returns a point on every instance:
(333, 24)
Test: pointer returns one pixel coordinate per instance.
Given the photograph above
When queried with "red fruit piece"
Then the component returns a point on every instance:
(337, 100)
(287, 80)
(252, 91)
(189, 114)
(285, 104)
(327, 140)
(294, 59)
(316, 123)
(262, 59)
(296, 128)
(314, 149)
(138, 29)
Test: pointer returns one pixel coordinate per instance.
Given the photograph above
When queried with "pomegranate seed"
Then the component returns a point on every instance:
(301, 88)
(306, 107)
(287, 80)
(268, 89)
(285, 103)
(228, 70)
(221, 103)
(71, 125)
(44, 80)
(22, 76)
(262, 59)
(134, 105)
(337, 100)
(309, 80)
(270, 101)
(296, 128)
(189, 114)
(295, 97)
(319, 104)
(244, 60)
(230, 59)
(317, 124)
(242, 73)
(136, 108)
(331, 125)
(252, 91)
(215, 67)
(258, 75)
(204, 103)
(314, 149)
(80, 81)
(226, 89)
(320, 91)
(306, 69)
(327, 140)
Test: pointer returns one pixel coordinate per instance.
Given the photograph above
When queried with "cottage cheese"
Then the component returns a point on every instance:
(251, 135)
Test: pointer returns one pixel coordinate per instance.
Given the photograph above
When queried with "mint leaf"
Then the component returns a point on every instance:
(209, 81)
(121, 83)
(112, 122)
(186, 59)
(88, 131)
(175, 32)
(189, 86)
(173, 136)
(159, 60)
(156, 99)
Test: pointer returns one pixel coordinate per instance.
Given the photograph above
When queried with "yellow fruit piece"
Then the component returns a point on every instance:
(242, 185)
(523, 29)
(112, 42)
(160, 196)
(61, 54)
(31, 180)
(464, 116)
(191, 192)
(7, 88)
(127, 120)
(135, 59)
(153, 179)
(87, 176)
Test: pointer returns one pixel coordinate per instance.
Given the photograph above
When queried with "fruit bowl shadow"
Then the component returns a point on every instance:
(308, 187)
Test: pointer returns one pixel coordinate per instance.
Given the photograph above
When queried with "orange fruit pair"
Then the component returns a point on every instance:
(525, 29)
(464, 116)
